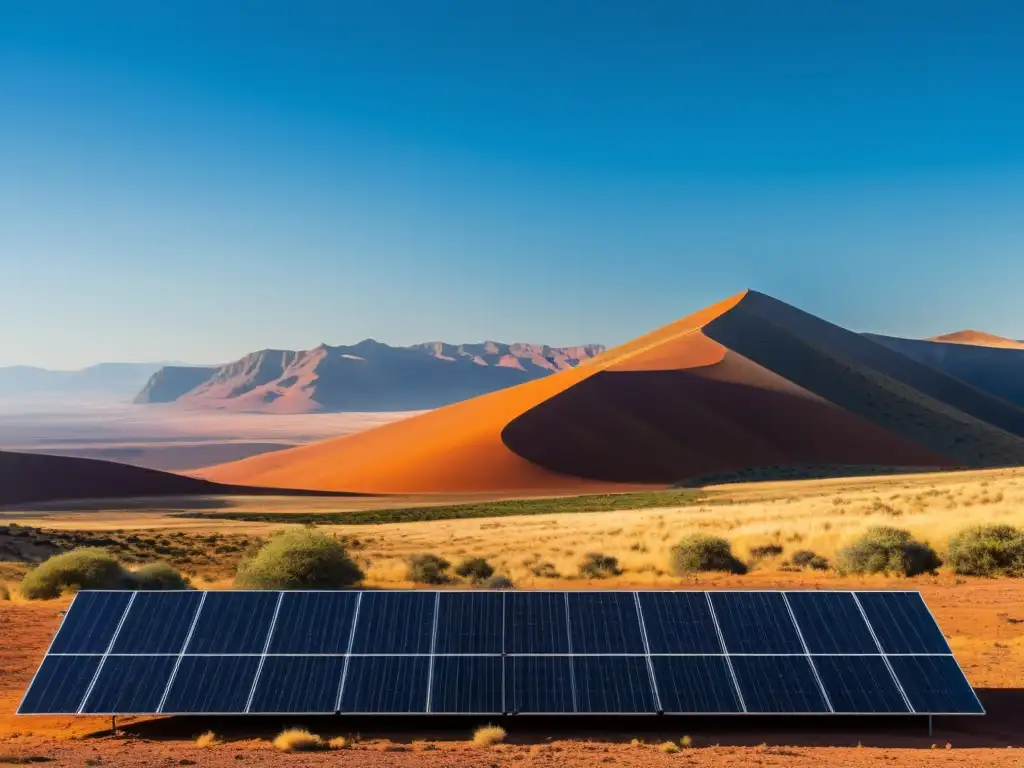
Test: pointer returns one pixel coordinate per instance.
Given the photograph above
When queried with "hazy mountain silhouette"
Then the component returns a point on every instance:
(368, 376)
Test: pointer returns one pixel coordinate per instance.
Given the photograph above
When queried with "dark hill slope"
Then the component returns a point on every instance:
(996, 370)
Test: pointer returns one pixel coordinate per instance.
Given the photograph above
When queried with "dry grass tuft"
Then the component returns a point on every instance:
(686, 741)
(208, 739)
(298, 740)
(488, 736)
(339, 742)
(668, 747)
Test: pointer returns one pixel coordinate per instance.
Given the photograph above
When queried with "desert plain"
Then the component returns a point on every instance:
(982, 618)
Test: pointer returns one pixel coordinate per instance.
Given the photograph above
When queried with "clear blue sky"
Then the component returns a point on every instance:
(193, 180)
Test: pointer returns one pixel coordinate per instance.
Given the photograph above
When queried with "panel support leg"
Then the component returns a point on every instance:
(113, 724)
(929, 725)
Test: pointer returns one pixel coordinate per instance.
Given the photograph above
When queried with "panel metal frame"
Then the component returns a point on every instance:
(647, 655)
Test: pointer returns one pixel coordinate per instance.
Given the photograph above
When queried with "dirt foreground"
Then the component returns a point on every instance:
(983, 619)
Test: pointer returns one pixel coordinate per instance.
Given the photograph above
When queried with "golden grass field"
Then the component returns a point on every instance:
(820, 515)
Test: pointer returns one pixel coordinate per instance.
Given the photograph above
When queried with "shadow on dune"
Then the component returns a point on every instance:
(998, 729)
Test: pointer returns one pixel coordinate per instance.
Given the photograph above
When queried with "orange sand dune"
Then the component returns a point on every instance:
(979, 339)
(459, 448)
(668, 405)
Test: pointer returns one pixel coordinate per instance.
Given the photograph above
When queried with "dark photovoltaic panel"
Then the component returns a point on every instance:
(539, 684)
(381, 684)
(90, 623)
(299, 684)
(535, 622)
(130, 685)
(831, 622)
(395, 622)
(695, 684)
(935, 684)
(60, 685)
(755, 622)
(679, 622)
(778, 684)
(903, 622)
(859, 684)
(487, 653)
(314, 622)
(158, 622)
(467, 684)
(612, 684)
(217, 684)
(470, 622)
(604, 622)
(233, 622)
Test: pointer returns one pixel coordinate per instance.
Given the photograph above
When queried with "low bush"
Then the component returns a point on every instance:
(594, 565)
(428, 569)
(544, 570)
(806, 558)
(78, 569)
(668, 748)
(298, 740)
(762, 551)
(157, 576)
(300, 558)
(207, 739)
(699, 553)
(987, 550)
(5, 593)
(499, 582)
(890, 551)
(339, 742)
(488, 736)
(475, 568)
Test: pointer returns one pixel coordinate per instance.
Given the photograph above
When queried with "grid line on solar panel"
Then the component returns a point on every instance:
(351, 642)
(728, 661)
(266, 646)
(831, 623)
(113, 639)
(755, 622)
(572, 672)
(433, 645)
(53, 640)
(181, 654)
(810, 661)
(647, 652)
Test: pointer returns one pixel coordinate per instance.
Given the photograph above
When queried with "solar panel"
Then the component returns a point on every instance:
(479, 652)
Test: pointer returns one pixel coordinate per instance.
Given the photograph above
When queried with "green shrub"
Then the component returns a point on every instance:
(805, 558)
(700, 552)
(78, 569)
(499, 582)
(987, 550)
(428, 569)
(158, 576)
(765, 550)
(544, 570)
(300, 558)
(475, 568)
(890, 551)
(594, 565)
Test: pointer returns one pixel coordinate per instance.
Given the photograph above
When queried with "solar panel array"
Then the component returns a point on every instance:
(461, 652)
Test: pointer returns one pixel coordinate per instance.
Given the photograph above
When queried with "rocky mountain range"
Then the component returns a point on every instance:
(368, 376)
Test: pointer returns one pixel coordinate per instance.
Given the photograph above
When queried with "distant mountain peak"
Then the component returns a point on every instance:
(369, 375)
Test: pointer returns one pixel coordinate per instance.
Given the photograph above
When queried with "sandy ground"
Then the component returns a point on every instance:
(982, 618)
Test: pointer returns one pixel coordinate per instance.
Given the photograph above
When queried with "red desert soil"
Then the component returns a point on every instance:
(668, 405)
(979, 339)
(980, 617)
